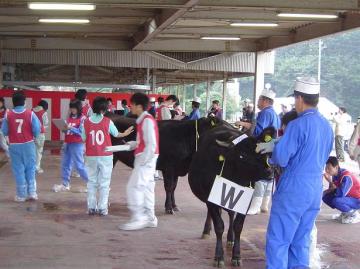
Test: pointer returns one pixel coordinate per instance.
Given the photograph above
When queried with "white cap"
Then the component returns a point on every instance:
(307, 85)
(152, 100)
(197, 100)
(268, 93)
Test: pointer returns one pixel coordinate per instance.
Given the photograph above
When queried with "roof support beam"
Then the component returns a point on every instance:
(160, 23)
(285, 4)
(311, 31)
(192, 45)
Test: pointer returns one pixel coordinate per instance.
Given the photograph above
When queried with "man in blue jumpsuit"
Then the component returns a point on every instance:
(267, 117)
(302, 152)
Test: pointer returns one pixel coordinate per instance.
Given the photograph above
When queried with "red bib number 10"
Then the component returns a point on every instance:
(97, 138)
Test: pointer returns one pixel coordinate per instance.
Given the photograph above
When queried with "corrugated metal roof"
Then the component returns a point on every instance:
(226, 62)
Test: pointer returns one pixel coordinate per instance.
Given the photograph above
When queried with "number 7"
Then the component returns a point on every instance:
(19, 128)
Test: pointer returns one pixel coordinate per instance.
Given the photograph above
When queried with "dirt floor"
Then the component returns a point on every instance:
(56, 232)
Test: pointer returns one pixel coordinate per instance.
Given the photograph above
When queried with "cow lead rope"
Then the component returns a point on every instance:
(222, 159)
(196, 135)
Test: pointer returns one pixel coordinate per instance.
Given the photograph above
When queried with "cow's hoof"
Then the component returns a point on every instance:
(205, 236)
(219, 263)
(236, 262)
(176, 209)
(230, 244)
(169, 211)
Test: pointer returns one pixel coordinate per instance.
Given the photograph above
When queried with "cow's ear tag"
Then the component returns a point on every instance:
(212, 123)
(221, 158)
(267, 138)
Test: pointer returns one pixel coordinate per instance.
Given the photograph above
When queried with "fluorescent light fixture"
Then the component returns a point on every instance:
(61, 6)
(254, 24)
(220, 38)
(79, 21)
(308, 15)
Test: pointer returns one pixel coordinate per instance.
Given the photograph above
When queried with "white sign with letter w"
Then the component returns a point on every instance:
(230, 195)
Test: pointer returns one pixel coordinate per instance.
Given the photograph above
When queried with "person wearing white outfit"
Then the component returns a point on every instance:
(41, 112)
(141, 185)
(163, 111)
(341, 120)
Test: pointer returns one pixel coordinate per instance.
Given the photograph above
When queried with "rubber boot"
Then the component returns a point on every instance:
(314, 255)
(265, 204)
(255, 206)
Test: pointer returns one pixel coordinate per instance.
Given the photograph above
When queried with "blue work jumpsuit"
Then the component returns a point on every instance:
(302, 152)
(265, 118)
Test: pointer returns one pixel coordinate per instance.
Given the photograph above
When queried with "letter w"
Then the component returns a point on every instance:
(230, 196)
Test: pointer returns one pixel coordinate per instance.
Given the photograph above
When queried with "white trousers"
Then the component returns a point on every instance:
(99, 173)
(39, 142)
(140, 190)
(263, 188)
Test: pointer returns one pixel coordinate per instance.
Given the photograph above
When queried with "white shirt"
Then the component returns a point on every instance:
(342, 122)
(165, 113)
(149, 137)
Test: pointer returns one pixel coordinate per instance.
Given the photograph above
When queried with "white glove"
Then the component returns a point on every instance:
(265, 147)
(132, 144)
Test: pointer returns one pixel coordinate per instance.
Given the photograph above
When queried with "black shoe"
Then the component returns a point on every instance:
(103, 212)
(92, 211)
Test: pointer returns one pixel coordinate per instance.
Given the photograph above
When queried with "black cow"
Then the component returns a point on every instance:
(122, 123)
(178, 140)
(242, 166)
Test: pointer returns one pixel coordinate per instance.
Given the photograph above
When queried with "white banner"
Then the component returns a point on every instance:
(230, 195)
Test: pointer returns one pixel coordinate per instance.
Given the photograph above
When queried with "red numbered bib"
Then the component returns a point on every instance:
(97, 137)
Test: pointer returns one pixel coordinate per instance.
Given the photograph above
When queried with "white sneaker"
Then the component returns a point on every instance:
(152, 223)
(134, 225)
(60, 188)
(33, 197)
(40, 171)
(19, 199)
(352, 219)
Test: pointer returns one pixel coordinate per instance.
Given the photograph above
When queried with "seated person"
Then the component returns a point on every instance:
(343, 193)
